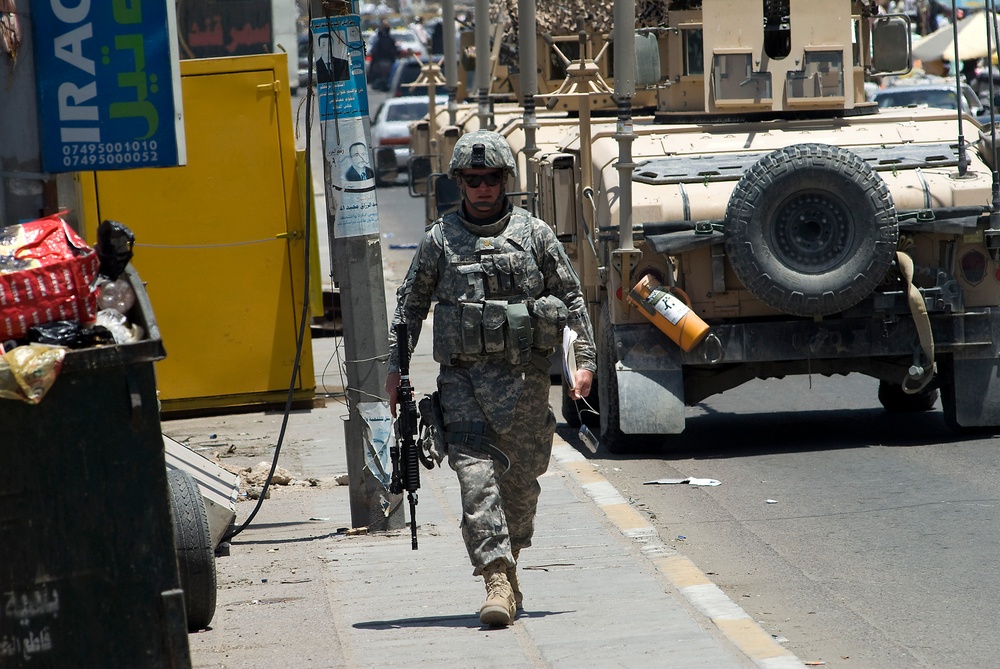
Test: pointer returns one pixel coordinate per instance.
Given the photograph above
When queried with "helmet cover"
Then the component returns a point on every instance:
(482, 149)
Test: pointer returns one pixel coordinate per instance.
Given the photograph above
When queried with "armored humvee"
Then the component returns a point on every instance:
(766, 196)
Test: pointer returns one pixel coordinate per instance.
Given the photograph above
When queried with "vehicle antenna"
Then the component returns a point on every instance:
(963, 161)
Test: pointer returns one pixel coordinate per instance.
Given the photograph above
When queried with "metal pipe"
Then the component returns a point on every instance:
(992, 36)
(963, 161)
(450, 57)
(624, 37)
(483, 61)
(527, 50)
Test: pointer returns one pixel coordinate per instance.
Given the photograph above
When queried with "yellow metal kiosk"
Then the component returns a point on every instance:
(220, 241)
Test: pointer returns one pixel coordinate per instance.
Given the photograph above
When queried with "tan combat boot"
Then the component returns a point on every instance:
(515, 585)
(499, 608)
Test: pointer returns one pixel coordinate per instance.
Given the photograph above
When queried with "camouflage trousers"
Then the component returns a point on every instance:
(498, 509)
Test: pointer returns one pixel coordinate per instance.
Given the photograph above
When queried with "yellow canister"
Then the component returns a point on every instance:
(672, 315)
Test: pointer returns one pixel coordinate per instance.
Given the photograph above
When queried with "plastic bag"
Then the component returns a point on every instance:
(114, 248)
(28, 372)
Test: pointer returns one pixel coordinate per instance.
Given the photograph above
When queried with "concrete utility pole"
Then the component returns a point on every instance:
(356, 262)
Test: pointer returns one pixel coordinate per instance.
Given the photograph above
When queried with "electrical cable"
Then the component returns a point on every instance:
(300, 337)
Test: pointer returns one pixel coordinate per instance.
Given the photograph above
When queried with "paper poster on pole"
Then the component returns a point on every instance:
(378, 433)
(343, 113)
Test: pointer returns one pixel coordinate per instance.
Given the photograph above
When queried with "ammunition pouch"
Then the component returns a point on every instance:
(469, 330)
(549, 315)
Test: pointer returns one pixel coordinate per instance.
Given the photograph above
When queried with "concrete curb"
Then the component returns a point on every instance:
(730, 618)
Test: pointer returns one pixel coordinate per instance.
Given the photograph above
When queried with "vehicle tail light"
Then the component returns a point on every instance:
(973, 264)
(394, 141)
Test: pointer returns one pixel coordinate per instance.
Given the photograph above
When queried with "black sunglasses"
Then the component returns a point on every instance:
(473, 180)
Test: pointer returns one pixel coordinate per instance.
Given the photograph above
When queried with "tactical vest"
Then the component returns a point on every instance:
(487, 291)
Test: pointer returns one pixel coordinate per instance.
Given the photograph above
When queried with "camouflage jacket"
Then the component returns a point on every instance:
(456, 266)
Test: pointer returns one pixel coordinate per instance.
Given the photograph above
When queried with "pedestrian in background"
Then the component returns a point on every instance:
(384, 52)
(421, 32)
(504, 289)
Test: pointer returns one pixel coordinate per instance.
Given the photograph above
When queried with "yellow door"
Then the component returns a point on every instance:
(219, 241)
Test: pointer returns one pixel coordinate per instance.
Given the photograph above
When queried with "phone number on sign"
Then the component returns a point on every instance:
(112, 153)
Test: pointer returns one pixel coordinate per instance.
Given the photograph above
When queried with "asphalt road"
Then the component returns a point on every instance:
(866, 540)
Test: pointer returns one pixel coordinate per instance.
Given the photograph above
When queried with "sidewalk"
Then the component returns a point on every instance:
(300, 589)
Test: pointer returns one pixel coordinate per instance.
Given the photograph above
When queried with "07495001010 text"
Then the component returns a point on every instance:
(109, 153)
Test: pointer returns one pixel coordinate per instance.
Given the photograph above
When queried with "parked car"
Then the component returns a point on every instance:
(390, 131)
(405, 71)
(408, 44)
(940, 95)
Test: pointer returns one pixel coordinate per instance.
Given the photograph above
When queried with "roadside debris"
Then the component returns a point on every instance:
(689, 480)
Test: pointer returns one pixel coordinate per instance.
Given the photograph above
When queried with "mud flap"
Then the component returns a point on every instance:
(973, 391)
(970, 377)
(650, 382)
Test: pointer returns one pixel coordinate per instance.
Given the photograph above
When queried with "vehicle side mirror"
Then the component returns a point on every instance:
(447, 195)
(647, 59)
(419, 173)
(385, 163)
(891, 47)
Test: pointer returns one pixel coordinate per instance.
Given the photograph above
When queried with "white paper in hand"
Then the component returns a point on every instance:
(569, 356)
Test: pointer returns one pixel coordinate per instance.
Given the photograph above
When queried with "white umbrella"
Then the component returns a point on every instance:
(940, 45)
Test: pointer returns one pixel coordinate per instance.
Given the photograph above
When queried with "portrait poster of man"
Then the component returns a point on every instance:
(350, 177)
(360, 168)
(333, 61)
(339, 61)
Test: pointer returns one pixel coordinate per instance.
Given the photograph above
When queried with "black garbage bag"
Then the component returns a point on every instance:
(70, 334)
(114, 248)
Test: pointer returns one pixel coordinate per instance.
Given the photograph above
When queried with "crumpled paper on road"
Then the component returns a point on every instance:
(689, 480)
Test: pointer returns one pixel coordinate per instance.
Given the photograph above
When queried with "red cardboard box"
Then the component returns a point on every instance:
(47, 273)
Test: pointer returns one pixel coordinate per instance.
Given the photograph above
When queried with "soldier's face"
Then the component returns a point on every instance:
(482, 189)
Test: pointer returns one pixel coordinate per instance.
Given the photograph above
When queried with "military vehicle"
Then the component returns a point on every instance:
(766, 215)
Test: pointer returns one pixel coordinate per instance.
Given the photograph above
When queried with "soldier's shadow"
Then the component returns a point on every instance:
(466, 621)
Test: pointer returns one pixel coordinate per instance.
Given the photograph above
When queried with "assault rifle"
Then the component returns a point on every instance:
(404, 453)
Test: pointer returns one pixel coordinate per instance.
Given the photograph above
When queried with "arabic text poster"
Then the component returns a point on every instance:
(350, 178)
(339, 61)
(108, 85)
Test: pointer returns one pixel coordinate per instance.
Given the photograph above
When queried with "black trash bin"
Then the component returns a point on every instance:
(88, 573)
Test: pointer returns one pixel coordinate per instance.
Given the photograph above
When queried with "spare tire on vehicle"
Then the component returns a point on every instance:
(811, 229)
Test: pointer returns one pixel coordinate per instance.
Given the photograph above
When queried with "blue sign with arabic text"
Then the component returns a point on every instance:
(108, 84)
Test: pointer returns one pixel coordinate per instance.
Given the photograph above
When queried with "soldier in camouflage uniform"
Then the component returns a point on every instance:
(505, 289)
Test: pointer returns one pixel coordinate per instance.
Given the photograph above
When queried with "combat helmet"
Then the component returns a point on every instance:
(482, 148)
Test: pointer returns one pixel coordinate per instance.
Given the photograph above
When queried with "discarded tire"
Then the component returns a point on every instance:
(195, 553)
(811, 229)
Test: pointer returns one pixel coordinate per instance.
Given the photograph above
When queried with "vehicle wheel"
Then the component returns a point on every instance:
(811, 229)
(894, 400)
(193, 545)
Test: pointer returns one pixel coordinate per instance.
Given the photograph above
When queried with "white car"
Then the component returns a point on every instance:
(391, 133)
